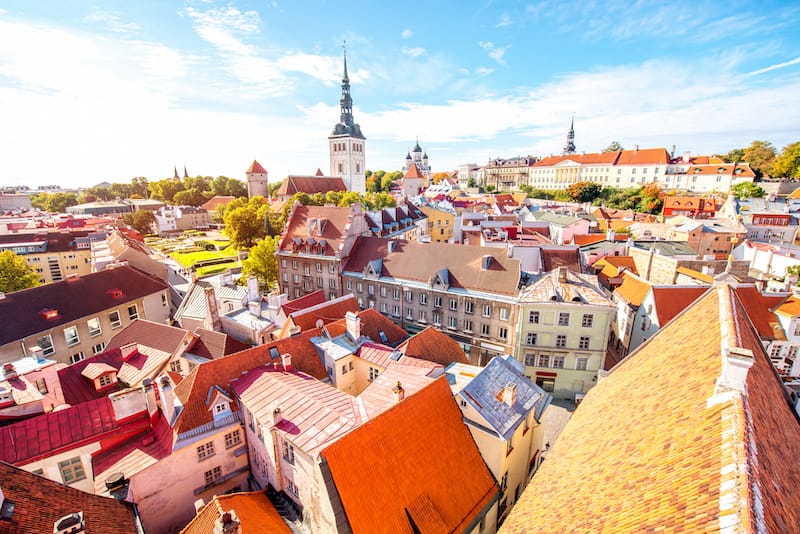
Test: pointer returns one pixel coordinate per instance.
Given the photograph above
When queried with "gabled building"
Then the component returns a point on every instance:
(314, 247)
(564, 323)
(317, 315)
(468, 292)
(658, 307)
(627, 297)
(29, 386)
(309, 185)
(54, 255)
(75, 318)
(563, 227)
(30, 503)
(692, 207)
(704, 445)
(119, 248)
(502, 409)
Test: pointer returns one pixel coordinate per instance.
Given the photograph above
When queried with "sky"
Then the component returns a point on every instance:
(110, 90)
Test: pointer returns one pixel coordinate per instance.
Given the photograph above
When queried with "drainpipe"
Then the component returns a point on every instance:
(279, 481)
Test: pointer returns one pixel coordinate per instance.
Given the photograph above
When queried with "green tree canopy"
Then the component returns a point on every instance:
(787, 164)
(15, 273)
(191, 197)
(142, 221)
(263, 263)
(59, 202)
(734, 156)
(760, 155)
(243, 226)
(747, 190)
(613, 147)
(584, 191)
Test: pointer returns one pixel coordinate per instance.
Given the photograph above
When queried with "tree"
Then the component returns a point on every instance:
(613, 147)
(747, 190)
(15, 273)
(262, 262)
(438, 177)
(584, 191)
(165, 189)
(59, 202)
(191, 197)
(39, 200)
(139, 186)
(471, 182)
(787, 164)
(760, 155)
(142, 221)
(243, 226)
(734, 156)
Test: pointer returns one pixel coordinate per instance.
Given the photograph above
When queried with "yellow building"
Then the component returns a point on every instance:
(440, 224)
(53, 256)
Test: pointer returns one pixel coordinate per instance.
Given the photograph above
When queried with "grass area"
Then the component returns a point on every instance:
(189, 259)
(213, 269)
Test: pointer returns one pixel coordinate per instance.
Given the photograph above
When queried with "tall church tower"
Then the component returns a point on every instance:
(257, 181)
(569, 148)
(347, 143)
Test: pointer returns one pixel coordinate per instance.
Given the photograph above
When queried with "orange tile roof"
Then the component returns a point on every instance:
(759, 307)
(39, 503)
(333, 229)
(794, 194)
(254, 510)
(596, 158)
(633, 290)
(325, 313)
(413, 172)
(193, 390)
(697, 275)
(671, 300)
(372, 323)
(646, 156)
(306, 301)
(789, 308)
(433, 346)
(669, 460)
(216, 201)
(690, 204)
(256, 167)
(419, 468)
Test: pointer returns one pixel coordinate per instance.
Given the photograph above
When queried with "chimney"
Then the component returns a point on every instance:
(687, 156)
(227, 278)
(286, 360)
(9, 371)
(610, 234)
(399, 392)
(117, 486)
(198, 505)
(37, 353)
(636, 148)
(252, 290)
(167, 397)
(213, 311)
(128, 350)
(736, 362)
(708, 269)
(353, 325)
(227, 523)
(510, 394)
(254, 308)
(277, 415)
(70, 524)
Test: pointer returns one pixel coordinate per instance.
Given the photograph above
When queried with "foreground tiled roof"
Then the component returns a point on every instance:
(326, 312)
(576, 287)
(151, 334)
(789, 308)
(418, 461)
(659, 446)
(256, 168)
(193, 390)
(419, 262)
(39, 503)
(73, 298)
(254, 511)
(433, 346)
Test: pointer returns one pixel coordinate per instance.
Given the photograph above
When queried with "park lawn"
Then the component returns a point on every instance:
(188, 259)
(213, 269)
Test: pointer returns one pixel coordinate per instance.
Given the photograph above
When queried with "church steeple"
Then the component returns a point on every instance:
(346, 101)
(346, 141)
(569, 148)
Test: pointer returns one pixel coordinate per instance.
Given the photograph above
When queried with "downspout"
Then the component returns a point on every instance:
(279, 481)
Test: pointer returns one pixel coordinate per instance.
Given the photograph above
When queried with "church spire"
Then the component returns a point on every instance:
(569, 148)
(346, 101)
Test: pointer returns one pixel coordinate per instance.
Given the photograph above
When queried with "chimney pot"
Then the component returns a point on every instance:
(399, 392)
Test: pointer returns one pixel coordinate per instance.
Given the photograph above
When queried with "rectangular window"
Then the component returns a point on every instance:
(409, 296)
(533, 317)
(296, 278)
(370, 289)
(232, 439)
(104, 380)
(558, 362)
(423, 317)
(175, 366)
(133, 312)
(587, 321)
(94, 326)
(384, 307)
(71, 335)
(581, 364)
(373, 373)
(320, 282)
(423, 298)
(396, 310)
(71, 470)
(359, 287)
(331, 268)
(78, 356)
(383, 291)
(530, 359)
(437, 302)
(504, 314)
(205, 450)
(98, 348)
(468, 306)
(487, 310)
(306, 270)
(288, 452)
(213, 475)
(797, 329)
(410, 314)
(41, 385)
(396, 293)
(46, 344)
(563, 319)
(332, 283)
(530, 338)
(583, 343)
(502, 332)
(453, 305)
(561, 341)
(452, 322)
(283, 262)
(544, 360)
(467, 326)
(319, 267)
(485, 330)
(348, 284)
(437, 318)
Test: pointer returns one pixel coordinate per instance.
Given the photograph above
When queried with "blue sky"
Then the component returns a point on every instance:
(109, 90)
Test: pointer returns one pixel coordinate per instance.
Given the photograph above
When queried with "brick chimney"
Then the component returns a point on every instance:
(736, 362)
(510, 394)
(227, 523)
(399, 392)
(353, 325)
(286, 360)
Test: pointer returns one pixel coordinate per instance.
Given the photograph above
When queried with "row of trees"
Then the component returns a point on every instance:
(766, 161)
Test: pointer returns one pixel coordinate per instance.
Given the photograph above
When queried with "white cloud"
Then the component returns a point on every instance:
(407, 33)
(486, 45)
(777, 66)
(413, 52)
(112, 22)
(505, 20)
(496, 53)
(483, 71)
(3, 11)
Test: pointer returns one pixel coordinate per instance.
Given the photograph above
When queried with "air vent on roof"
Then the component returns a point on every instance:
(9, 371)
(69, 524)
(48, 314)
(115, 293)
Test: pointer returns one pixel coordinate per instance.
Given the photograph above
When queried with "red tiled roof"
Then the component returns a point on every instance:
(607, 158)
(411, 260)
(413, 172)
(39, 503)
(335, 220)
(325, 313)
(256, 167)
(306, 301)
(372, 323)
(697, 460)
(212, 345)
(417, 459)
(560, 256)
(433, 346)
(646, 156)
(759, 307)
(690, 204)
(671, 300)
(62, 430)
(310, 185)
(254, 511)
(193, 390)
(216, 201)
(73, 298)
(150, 334)
(789, 308)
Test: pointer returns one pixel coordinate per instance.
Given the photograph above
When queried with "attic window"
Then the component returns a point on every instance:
(721, 170)
(737, 171)
(115, 293)
(382, 336)
(696, 170)
(273, 352)
(48, 314)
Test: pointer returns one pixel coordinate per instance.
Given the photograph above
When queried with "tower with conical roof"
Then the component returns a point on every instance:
(257, 181)
(569, 148)
(347, 143)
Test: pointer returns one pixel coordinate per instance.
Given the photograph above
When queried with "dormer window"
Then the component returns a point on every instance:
(115, 293)
(221, 408)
